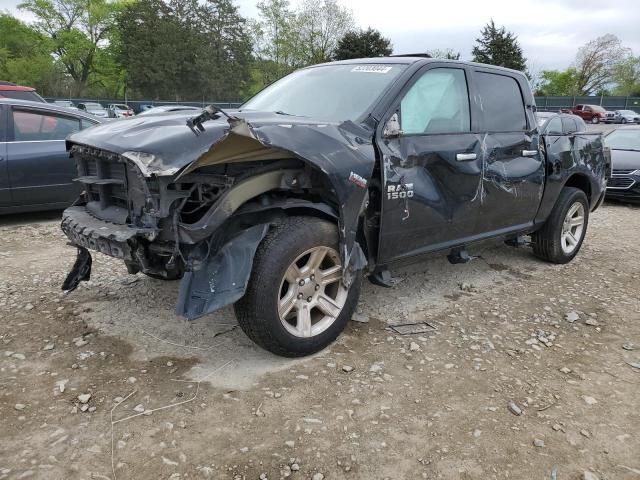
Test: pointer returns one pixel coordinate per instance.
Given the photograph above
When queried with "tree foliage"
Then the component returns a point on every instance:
(286, 39)
(497, 46)
(559, 82)
(362, 44)
(78, 29)
(447, 53)
(626, 76)
(597, 61)
(184, 50)
(25, 55)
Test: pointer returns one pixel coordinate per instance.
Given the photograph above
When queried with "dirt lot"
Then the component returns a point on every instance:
(375, 405)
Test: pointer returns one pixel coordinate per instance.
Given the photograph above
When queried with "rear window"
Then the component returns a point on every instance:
(39, 126)
(22, 95)
(569, 125)
(502, 103)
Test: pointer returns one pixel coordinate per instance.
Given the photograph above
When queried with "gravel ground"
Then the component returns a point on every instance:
(531, 369)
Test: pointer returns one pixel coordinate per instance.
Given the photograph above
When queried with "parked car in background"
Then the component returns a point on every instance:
(623, 116)
(560, 123)
(119, 110)
(589, 113)
(93, 108)
(65, 103)
(332, 173)
(11, 90)
(36, 172)
(168, 108)
(624, 183)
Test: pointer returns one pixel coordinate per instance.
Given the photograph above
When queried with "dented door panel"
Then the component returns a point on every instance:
(513, 183)
(430, 197)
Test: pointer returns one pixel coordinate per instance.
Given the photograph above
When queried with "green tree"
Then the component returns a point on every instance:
(497, 46)
(184, 49)
(597, 61)
(559, 82)
(362, 44)
(25, 56)
(276, 41)
(321, 25)
(626, 76)
(447, 53)
(78, 29)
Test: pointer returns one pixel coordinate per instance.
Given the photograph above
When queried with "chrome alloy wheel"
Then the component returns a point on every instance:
(312, 294)
(572, 228)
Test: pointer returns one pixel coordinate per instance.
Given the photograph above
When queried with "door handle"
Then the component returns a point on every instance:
(529, 153)
(461, 157)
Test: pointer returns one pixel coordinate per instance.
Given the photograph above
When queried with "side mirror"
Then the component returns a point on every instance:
(392, 128)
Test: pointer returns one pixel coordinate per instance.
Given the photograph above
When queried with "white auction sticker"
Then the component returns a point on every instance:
(372, 68)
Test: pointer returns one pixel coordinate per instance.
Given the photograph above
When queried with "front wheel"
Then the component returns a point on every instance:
(561, 237)
(595, 120)
(297, 302)
(624, 120)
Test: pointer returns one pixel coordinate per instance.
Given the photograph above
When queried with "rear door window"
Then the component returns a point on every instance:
(569, 125)
(502, 102)
(42, 126)
(554, 127)
(437, 103)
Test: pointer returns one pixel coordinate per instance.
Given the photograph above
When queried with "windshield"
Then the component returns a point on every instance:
(332, 93)
(121, 107)
(624, 139)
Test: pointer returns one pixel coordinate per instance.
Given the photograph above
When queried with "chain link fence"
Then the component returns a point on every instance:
(553, 104)
(137, 105)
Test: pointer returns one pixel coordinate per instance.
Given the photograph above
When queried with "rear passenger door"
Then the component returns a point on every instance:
(40, 170)
(513, 178)
(5, 192)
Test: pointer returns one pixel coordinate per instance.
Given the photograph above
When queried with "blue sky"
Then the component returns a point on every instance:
(549, 32)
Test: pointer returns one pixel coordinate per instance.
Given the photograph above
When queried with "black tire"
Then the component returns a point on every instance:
(257, 311)
(595, 120)
(547, 241)
(624, 120)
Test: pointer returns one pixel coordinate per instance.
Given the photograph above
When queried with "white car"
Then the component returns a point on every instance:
(623, 116)
(65, 103)
(94, 108)
(119, 110)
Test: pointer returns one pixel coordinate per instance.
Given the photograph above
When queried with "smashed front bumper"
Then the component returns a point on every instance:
(84, 230)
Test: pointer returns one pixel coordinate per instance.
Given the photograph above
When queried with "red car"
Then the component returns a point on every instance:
(590, 113)
(11, 90)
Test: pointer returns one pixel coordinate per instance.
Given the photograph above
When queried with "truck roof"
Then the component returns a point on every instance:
(411, 60)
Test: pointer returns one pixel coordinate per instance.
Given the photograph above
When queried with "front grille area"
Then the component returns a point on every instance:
(620, 182)
(106, 179)
(623, 171)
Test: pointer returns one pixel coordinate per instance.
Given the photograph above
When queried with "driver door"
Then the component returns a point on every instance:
(432, 168)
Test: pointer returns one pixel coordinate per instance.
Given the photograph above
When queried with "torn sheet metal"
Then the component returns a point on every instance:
(223, 277)
(164, 145)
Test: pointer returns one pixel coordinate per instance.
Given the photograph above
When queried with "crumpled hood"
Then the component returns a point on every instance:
(162, 144)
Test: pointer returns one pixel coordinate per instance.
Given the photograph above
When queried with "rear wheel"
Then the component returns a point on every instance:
(561, 237)
(297, 302)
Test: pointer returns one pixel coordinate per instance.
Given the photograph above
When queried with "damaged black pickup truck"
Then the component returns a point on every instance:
(335, 172)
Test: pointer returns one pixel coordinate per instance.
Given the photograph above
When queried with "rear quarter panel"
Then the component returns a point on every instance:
(577, 155)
